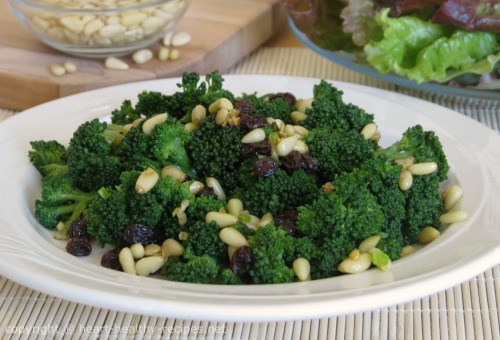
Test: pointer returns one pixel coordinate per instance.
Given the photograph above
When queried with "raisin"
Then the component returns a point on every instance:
(252, 122)
(207, 192)
(286, 96)
(78, 228)
(139, 233)
(244, 106)
(253, 149)
(265, 166)
(110, 259)
(295, 161)
(287, 221)
(79, 246)
(241, 260)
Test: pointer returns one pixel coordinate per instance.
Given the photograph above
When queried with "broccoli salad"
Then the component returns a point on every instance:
(207, 186)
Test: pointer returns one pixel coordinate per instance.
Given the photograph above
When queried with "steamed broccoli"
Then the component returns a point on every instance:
(192, 268)
(61, 202)
(50, 158)
(204, 239)
(91, 160)
(125, 114)
(277, 108)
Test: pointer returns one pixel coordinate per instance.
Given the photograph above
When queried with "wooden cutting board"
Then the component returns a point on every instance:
(223, 32)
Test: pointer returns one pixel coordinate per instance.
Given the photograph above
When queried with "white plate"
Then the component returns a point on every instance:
(348, 60)
(30, 256)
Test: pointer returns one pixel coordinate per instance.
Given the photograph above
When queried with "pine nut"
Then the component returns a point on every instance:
(149, 124)
(137, 251)
(369, 130)
(225, 103)
(137, 122)
(350, 266)
(289, 130)
(69, 66)
(126, 260)
(302, 268)
(303, 104)
(369, 243)
(163, 53)
(423, 168)
(301, 131)
(174, 54)
(428, 234)
(219, 191)
(149, 265)
(286, 145)
(230, 251)
(183, 236)
(171, 247)
(407, 250)
(298, 116)
(214, 107)
(232, 237)
(146, 181)
(223, 220)
(198, 114)
(221, 117)
(254, 136)
(405, 180)
(451, 196)
(190, 127)
(142, 56)
(173, 172)
(405, 162)
(167, 38)
(265, 220)
(57, 70)
(453, 217)
(181, 39)
(196, 187)
(354, 255)
(234, 206)
(152, 249)
(114, 63)
(301, 147)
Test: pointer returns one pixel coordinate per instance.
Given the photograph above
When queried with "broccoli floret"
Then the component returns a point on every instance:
(277, 108)
(107, 217)
(204, 239)
(91, 160)
(215, 152)
(125, 114)
(61, 202)
(192, 268)
(338, 151)
(50, 158)
(228, 277)
(151, 103)
(330, 112)
(202, 205)
(277, 193)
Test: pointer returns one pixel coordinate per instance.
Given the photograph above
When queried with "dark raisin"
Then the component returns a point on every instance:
(110, 259)
(139, 233)
(262, 148)
(287, 221)
(207, 192)
(78, 228)
(244, 106)
(265, 166)
(241, 260)
(79, 246)
(252, 122)
(286, 96)
(295, 161)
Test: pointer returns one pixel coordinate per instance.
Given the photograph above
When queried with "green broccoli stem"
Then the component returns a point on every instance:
(77, 208)
(111, 131)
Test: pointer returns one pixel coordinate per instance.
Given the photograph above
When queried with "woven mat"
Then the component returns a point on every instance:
(467, 311)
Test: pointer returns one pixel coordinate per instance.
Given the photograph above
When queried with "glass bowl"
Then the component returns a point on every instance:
(98, 28)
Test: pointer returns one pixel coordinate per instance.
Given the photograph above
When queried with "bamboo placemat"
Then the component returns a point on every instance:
(466, 311)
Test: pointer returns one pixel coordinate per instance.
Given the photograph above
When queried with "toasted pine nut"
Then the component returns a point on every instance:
(57, 70)
(302, 268)
(136, 122)
(405, 162)
(196, 187)
(286, 145)
(354, 255)
(174, 54)
(230, 251)
(405, 180)
(149, 265)
(234, 206)
(289, 130)
(171, 247)
(265, 220)
(70, 67)
(149, 124)
(303, 104)
(298, 116)
(225, 103)
(183, 236)
(453, 217)
(152, 249)
(221, 117)
(126, 260)
(350, 266)
(163, 53)
(301, 147)
(452, 195)
(223, 220)
(232, 237)
(254, 136)
(137, 250)
(428, 234)
(190, 127)
(423, 168)
(214, 107)
(126, 128)
(174, 172)
(214, 184)
(279, 124)
(198, 114)
(146, 181)
(369, 243)
(369, 130)
(114, 63)
(407, 250)
(300, 131)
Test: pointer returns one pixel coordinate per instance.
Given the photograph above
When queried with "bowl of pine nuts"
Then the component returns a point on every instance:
(98, 28)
